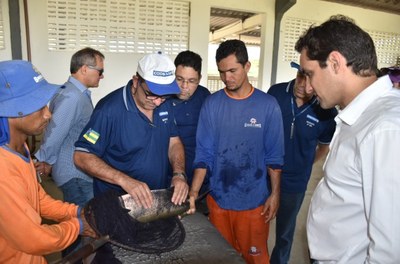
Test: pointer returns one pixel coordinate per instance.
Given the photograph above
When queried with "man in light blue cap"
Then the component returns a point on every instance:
(24, 94)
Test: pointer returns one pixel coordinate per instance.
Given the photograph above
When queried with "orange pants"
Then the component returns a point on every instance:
(245, 230)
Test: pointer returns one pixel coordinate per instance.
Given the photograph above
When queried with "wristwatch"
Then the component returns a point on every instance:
(180, 174)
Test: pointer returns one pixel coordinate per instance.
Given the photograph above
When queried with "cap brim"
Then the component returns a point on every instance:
(30, 102)
(163, 89)
(295, 65)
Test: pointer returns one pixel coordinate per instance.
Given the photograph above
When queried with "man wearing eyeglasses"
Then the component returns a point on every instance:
(71, 109)
(131, 138)
(188, 102)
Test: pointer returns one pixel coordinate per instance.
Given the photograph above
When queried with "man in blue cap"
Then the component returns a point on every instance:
(24, 94)
(308, 130)
(132, 138)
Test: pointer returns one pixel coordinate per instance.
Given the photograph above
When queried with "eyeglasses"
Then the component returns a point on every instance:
(192, 81)
(100, 71)
(150, 96)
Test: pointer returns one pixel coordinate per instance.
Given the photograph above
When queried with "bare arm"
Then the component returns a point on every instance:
(321, 151)
(176, 155)
(96, 167)
(197, 182)
(272, 203)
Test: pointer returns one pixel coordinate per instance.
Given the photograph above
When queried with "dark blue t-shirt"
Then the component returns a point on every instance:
(187, 116)
(312, 125)
(128, 141)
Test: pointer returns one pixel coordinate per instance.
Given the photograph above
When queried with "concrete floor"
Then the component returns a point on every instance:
(299, 254)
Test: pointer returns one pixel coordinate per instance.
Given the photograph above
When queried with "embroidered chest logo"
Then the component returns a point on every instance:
(164, 116)
(253, 123)
(311, 121)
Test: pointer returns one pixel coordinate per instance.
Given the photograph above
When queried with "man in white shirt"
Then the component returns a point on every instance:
(353, 216)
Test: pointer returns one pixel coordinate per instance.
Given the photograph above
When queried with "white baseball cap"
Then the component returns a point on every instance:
(158, 71)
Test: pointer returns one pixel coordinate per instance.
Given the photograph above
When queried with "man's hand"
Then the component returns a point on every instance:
(181, 189)
(139, 191)
(271, 207)
(43, 168)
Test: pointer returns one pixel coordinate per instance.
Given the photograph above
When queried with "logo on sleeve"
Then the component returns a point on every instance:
(91, 136)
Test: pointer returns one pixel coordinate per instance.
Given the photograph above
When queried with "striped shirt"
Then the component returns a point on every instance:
(71, 108)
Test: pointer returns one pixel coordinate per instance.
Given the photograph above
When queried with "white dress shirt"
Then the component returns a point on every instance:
(354, 216)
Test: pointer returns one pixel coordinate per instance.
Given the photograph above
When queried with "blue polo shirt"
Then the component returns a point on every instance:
(128, 141)
(187, 116)
(312, 125)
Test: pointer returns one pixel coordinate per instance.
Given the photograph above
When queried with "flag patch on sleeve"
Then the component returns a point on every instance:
(91, 136)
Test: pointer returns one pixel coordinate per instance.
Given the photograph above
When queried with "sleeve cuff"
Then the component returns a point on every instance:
(200, 165)
(275, 166)
(80, 220)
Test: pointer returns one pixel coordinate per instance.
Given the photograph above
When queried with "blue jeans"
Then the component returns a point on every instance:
(289, 207)
(77, 191)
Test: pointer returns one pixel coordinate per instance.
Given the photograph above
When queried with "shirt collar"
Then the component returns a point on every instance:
(78, 84)
(357, 106)
(129, 103)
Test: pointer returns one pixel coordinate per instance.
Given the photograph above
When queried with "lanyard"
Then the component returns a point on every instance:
(298, 114)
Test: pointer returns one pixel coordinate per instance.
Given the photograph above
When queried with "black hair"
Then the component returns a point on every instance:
(340, 33)
(188, 58)
(233, 46)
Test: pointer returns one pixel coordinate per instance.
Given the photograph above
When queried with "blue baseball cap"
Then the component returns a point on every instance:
(23, 89)
(158, 71)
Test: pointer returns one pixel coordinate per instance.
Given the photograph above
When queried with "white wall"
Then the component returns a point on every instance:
(5, 54)
(119, 68)
(321, 11)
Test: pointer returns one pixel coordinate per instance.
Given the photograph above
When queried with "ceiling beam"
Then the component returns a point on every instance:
(236, 28)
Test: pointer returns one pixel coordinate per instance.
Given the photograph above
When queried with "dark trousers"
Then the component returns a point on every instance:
(289, 207)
